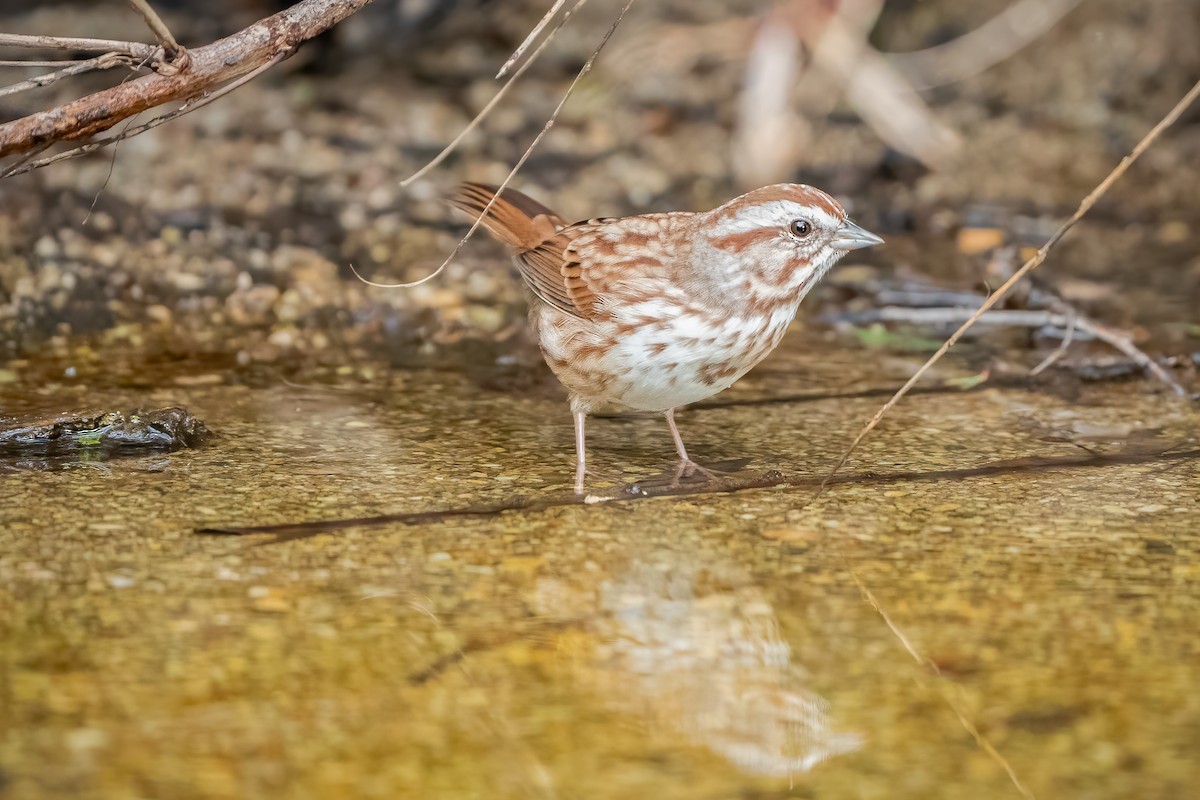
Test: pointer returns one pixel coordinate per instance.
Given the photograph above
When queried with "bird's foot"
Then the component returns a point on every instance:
(689, 469)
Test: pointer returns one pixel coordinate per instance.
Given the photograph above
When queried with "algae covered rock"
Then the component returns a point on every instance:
(164, 429)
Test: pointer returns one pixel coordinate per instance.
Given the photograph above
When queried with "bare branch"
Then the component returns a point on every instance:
(135, 49)
(1060, 316)
(989, 44)
(881, 95)
(106, 61)
(768, 132)
(186, 108)
(1084, 207)
(224, 60)
(1121, 341)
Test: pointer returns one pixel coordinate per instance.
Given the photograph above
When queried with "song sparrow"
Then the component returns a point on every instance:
(656, 311)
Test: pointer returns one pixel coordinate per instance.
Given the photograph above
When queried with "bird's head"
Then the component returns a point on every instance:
(779, 240)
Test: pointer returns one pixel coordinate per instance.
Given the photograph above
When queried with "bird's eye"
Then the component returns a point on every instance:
(801, 228)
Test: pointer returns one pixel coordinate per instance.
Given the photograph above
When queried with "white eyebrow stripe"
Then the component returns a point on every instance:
(778, 213)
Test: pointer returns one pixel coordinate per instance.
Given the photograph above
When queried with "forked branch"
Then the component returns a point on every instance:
(263, 43)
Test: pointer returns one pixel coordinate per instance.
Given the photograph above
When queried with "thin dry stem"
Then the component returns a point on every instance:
(61, 62)
(1061, 349)
(533, 34)
(584, 70)
(486, 110)
(157, 26)
(1084, 207)
(25, 158)
(135, 49)
(106, 61)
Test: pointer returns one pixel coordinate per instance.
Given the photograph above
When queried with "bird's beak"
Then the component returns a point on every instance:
(852, 237)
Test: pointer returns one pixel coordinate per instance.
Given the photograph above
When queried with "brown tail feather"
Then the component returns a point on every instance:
(515, 219)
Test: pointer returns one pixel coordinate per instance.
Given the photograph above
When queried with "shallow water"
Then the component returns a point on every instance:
(998, 599)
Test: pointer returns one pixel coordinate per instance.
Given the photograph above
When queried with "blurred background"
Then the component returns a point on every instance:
(227, 235)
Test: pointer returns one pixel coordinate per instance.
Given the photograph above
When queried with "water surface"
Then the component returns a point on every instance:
(998, 599)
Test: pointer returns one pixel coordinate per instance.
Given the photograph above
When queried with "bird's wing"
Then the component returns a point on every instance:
(586, 267)
(514, 218)
(580, 268)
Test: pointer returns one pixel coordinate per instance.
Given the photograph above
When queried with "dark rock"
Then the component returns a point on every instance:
(164, 429)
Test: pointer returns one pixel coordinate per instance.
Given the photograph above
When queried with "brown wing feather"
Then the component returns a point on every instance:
(532, 230)
(578, 289)
(575, 267)
(612, 260)
(515, 219)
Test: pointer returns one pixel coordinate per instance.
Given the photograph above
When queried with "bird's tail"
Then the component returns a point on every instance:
(515, 219)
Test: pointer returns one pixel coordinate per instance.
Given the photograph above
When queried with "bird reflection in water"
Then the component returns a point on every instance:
(700, 654)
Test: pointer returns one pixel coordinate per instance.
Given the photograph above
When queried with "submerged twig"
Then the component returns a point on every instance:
(644, 490)
(584, 70)
(1084, 207)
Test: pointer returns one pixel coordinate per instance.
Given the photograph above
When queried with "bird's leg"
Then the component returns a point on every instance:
(580, 451)
(686, 465)
(679, 448)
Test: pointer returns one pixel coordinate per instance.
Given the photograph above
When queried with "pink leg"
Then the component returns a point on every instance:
(679, 448)
(580, 451)
(686, 465)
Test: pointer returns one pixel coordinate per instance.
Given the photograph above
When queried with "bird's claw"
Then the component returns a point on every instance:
(687, 468)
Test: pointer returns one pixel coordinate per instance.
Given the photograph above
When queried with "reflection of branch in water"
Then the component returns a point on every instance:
(712, 665)
(970, 727)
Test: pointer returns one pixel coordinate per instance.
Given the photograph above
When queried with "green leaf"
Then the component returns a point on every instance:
(879, 337)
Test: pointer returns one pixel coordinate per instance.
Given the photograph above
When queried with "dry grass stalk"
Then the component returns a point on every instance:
(533, 34)
(584, 70)
(487, 109)
(159, 28)
(1033, 263)
(106, 61)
